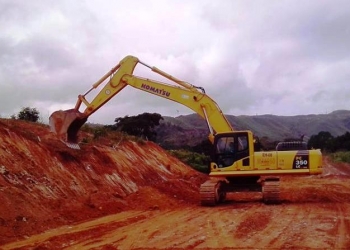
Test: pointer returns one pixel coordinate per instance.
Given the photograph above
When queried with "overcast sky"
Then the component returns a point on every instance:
(252, 57)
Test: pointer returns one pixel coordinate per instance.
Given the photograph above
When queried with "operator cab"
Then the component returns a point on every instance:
(231, 147)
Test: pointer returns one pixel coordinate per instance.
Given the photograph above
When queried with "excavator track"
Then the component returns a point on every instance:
(211, 193)
(271, 191)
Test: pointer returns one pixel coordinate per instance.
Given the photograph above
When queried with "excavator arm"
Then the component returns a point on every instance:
(67, 123)
(234, 157)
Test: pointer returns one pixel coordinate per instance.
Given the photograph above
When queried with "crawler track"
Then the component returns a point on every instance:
(211, 193)
(271, 191)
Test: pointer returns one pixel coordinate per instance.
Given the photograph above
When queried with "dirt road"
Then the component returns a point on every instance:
(315, 214)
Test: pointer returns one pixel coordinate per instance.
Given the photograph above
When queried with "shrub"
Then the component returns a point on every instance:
(27, 114)
(197, 161)
(342, 156)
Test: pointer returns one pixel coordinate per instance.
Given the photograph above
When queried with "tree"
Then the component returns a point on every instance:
(323, 140)
(204, 147)
(28, 114)
(141, 125)
(342, 142)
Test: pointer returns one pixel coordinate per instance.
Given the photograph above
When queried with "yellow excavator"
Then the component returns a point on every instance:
(234, 159)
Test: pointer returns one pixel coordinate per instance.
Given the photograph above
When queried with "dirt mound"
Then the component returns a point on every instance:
(44, 184)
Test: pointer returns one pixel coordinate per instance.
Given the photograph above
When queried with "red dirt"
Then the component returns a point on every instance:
(136, 196)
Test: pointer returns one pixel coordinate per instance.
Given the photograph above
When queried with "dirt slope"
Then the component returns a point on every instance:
(44, 184)
(138, 197)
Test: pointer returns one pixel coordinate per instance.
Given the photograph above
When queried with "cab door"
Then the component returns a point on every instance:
(232, 151)
(242, 155)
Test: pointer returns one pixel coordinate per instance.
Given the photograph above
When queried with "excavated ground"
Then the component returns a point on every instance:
(136, 196)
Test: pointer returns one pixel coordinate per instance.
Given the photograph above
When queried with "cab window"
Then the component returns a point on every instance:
(242, 143)
(225, 145)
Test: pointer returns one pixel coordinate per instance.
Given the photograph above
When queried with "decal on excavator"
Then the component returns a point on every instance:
(301, 161)
(155, 90)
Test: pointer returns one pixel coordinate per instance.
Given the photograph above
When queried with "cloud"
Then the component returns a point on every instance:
(252, 57)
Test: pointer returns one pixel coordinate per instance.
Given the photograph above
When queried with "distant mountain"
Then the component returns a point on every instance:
(192, 129)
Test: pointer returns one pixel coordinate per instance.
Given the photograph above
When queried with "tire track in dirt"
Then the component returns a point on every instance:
(257, 220)
(185, 229)
(336, 192)
(295, 230)
(313, 225)
(193, 227)
(327, 227)
(161, 228)
(268, 235)
(172, 229)
(220, 224)
(142, 231)
(233, 225)
(92, 228)
(343, 228)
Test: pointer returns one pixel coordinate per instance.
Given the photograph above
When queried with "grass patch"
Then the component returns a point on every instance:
(342, 156)
(95, 134)
(197, 161)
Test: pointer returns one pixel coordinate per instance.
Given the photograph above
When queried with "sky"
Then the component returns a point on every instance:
(280, 57)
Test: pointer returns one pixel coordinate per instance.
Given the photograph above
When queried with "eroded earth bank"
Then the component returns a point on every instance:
(129, 195)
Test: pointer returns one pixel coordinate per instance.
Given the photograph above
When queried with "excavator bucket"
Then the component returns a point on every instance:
(66, 124)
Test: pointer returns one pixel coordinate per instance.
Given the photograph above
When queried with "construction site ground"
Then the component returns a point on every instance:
(128, 195)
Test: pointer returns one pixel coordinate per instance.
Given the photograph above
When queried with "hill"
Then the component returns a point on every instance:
(192, 129)
(44, 184)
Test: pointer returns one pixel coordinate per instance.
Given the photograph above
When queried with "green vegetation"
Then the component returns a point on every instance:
(341, 156)
(141, 125)
(338, 147)
(100, 132)
(197, 161)
(328, 143)
(27, 114)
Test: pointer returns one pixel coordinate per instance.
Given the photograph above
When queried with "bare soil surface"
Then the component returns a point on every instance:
(136, 196)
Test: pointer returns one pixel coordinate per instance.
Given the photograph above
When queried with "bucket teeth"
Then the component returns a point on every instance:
(72, 145)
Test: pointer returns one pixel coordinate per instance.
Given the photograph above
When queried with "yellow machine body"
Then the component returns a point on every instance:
(234, 156)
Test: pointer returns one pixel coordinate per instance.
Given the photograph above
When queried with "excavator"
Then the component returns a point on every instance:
(235, 165)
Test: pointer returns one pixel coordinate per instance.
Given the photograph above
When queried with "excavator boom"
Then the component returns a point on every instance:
(67, 123)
